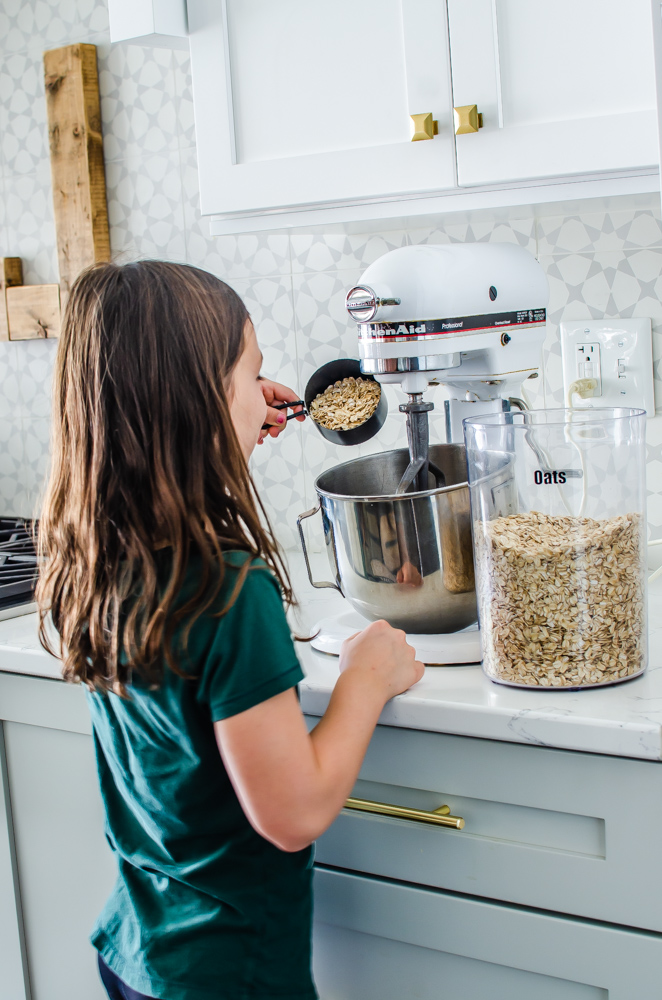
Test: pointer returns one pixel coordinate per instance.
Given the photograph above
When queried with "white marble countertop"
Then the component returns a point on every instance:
(624, 720)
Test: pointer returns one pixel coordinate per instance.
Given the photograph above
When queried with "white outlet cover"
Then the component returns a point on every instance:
(628, 341)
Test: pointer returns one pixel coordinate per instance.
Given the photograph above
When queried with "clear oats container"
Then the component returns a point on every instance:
(559, 530)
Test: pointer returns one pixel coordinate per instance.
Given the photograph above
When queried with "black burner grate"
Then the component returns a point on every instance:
(18, 562)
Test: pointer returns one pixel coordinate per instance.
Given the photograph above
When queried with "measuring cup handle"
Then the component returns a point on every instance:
(300, 518)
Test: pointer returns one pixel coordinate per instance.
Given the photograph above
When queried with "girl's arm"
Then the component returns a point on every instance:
(292, 784)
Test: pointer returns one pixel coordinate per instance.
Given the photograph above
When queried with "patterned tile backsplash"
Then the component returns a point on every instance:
(598, 263)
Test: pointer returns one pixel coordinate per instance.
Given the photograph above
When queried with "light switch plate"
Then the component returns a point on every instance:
(623, 353)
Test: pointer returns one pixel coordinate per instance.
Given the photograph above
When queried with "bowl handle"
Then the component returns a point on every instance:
(302, 517)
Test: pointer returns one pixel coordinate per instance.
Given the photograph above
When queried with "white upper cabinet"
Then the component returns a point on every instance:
(307, 103)
(564, 86)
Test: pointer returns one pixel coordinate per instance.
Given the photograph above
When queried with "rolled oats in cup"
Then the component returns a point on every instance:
(559, 530)
(346, 404)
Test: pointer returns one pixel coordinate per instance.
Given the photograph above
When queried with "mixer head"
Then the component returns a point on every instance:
(464, 314)
(470, 316)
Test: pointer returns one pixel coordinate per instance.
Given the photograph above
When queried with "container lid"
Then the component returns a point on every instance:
(560, 416)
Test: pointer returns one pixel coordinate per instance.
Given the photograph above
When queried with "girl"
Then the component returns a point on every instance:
(166, 590)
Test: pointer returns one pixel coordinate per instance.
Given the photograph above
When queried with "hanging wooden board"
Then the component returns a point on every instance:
(33, 311)
(77, 165)
(11, 273)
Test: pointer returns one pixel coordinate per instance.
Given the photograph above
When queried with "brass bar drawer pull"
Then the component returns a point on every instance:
(437, 817)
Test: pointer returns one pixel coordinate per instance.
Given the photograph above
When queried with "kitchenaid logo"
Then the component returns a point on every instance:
(547, 477)
(525, 318)
(403, 329)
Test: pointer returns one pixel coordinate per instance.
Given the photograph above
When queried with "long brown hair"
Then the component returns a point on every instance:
(144, 454)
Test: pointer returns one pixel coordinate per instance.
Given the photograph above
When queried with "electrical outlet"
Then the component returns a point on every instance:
(616, 352)
(588, 365)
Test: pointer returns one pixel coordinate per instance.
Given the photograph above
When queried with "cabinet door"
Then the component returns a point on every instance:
(564, 87)
(300, 104)
(13, 963)
(375, 940)
(65, 867)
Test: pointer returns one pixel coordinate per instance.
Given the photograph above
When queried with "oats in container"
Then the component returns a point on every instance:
(346, 404)
(561, 599)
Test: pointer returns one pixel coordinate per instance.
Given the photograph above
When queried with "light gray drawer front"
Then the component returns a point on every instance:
(569, 832)
(382, 941)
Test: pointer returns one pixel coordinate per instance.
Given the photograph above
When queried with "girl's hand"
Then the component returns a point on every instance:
(383, 658)
(274, 392)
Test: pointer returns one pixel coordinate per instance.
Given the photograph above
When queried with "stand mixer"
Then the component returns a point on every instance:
(470, 317)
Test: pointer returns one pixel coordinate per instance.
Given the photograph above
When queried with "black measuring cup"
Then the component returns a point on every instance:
(335, 371)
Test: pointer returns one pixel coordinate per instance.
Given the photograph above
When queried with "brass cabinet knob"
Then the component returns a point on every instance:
(425, 127)
(467, 119)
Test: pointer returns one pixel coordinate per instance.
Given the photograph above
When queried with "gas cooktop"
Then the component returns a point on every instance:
(18, 566)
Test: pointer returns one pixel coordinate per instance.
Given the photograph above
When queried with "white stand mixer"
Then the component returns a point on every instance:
(470, 316)
(467, 316)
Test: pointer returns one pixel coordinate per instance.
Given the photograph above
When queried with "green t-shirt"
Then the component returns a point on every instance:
(204, 907)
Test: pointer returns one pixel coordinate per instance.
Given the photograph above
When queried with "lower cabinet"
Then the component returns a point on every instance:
(64, 865)
(548, 833)
(381, 940)
(56, 868)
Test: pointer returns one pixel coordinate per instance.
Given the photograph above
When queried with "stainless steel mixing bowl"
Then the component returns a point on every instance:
(408, 559)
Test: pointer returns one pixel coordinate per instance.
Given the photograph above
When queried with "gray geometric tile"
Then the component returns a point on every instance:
(10, 405)
(3, 214)
(34, 363)
(11, 465)
(269, 302)
(336, 252)
(324, 329)
(184, 99)
(36, 464)
(29, 230)
(54, 22)
(243, 256)
(138, 106)
(251, 254)
(81, 20)
(599, 231)
(23, 111)
(145, 207)
(201, 250)
(518, 231)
